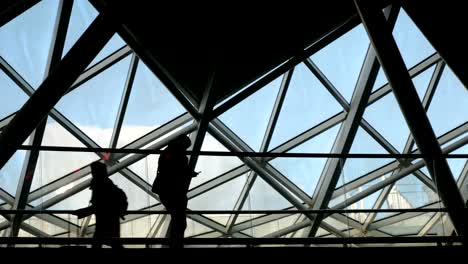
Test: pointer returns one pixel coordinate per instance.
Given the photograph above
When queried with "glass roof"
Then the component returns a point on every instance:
(306, 123)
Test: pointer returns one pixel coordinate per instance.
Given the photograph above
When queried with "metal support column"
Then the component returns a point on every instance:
(9, 9)
(123, 103)
(55, 86)
(435, 19)
(30, 161)
(412, 109)
(264, 147)
(333, 167)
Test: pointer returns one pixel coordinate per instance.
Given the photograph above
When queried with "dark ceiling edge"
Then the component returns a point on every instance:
(317, 45)
(189, 100)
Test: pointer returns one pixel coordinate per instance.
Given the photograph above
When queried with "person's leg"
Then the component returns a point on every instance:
(96, 243)
(116, 234)
(97, 236)
(176, 233)
(179, 223)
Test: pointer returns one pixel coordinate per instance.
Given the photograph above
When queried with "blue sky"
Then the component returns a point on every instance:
(25, 43)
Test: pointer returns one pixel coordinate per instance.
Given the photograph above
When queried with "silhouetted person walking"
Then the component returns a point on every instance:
(108, 204)
(172, 183)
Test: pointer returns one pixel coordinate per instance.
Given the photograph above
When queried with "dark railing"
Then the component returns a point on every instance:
(244, 153)
(205, 212)
(234, 241)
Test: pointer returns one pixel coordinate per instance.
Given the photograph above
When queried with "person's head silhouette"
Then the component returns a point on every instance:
(99, 173)
(181, 142)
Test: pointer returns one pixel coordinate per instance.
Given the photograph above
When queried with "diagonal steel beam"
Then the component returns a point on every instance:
(400, 217)
(327, 84)
(379, 172)
(54, 86)
(10, 9)
(405, 93)
(413, 72)
(205, 111)
(52, 219)
(309, 51)
(264, 146)
(404, 172)
(433, 20)
(124, 101)
(101, 66)
(430, 224)
(27, 173)
(234, 143)
(171, 83)
(333, 167)
(462, 178)
(410, 143)
(369, 129)
(215, 182)
(26, 179)
(144, 141)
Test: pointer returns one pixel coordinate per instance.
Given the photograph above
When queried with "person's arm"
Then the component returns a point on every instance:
(83, 212)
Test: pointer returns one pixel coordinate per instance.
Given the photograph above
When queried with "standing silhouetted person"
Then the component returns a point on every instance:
(108, 204)
(172, 183)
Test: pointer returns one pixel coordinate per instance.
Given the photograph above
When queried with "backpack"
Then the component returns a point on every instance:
(163, 159)
(121, 201)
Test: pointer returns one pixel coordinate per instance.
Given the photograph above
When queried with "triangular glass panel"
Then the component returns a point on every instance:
(413, 46)
(356, 167)
(115, 43)
(341, 199)
(342, 60)
(263, 197)
(146, 168)
(10, 173)
(93, 106)
(380, 81)
(336, 224)
(307, 103)
(26, 41)
(52, 165)
(321, 233)
(272, 226)
(448, 108)
(366, 203)
(386, 117)
(137, 198)
(407, 227)
(304, 232)
(421, 82)
(213, 166)
(305, 172)
(76, 201)
(247, 218)
(150, 105)
(457, 164)
(379, 216)
(249, 118)
(44, 226)
(410, 192)
(24, 233)
(194, 228)
(213, 234)
(443, 227)
(83, 13)
(12, 99)
(137, 228)
(223, 197)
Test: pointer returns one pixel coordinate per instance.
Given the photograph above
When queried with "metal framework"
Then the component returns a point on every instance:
(64, 75)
